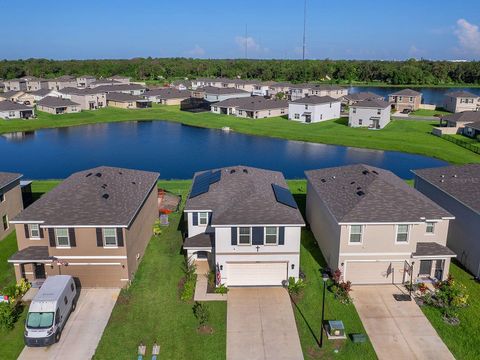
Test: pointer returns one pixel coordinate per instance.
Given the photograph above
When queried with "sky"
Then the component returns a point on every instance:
(347, 29)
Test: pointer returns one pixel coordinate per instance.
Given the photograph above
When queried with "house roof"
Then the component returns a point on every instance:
(105, 82)
(464, 116)
(463, 94)
(372, 103)
(462, 182)
(119, 77)
(86, 77)
(123, 97)
(102, 196)
(40, 92)
(7, 178)
(168, 93)
(315, 100)
(119, 87)
(31, 253)
(407, 92)
(360, 96)
(64, 78)
(474, 125)
(365, 194)
(8, 105)
(9, 94)
(54, 102)
(253, 103)
(244, 196)
(76, 91)
(432, 249)
(202, 240)
(328, 87)
(223, 91)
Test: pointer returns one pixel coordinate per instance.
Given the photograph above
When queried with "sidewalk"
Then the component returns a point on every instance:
(201, 286)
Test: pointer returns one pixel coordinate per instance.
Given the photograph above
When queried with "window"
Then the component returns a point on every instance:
(354, 110)
(61, 237)
(271, 235)
(430, 227)
(356, 234)
(282, 111)
(360, 121)
(65, 300)
(379, 111)
(203, 218)
(215, 108)
(244, 236)
(306, 106)
(297, 116)
(402, 233)
(5, 222)
(410, 99)
(399, 98)
(34, 231)
(2, 197)
(110, 237)
(240, 112)
(72, 287)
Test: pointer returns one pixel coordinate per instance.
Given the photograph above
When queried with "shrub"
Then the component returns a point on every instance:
(16, 292)
(295, 287)
(221, 289)
(450, 296)
(157, 228)
(188, 289)
(8, 316)
(188, 268)
(201, 312)
(341, 290)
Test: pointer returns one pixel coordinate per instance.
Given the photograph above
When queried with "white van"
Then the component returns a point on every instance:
(49, 310)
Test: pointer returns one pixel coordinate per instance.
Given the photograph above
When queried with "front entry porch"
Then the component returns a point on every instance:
(29, 264)
(431, 262)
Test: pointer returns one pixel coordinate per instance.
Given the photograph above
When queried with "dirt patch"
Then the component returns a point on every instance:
(208, 330)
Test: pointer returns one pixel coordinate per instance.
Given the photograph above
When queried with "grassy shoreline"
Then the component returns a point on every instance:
(407, 136)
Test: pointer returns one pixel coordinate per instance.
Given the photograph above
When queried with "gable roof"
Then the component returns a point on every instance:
(10, 93)
(40, 92)
(168, 93)
(461, 182)
(463, 94)
(81, 198)
(360, 96)
(8, 105)
(54, 102)
(244, 196)
(474, 125)
(315, 100)
(7, 178)
(119, 87)
(223, 91)
(464, 116)
(123, 97)
(105, 82)
(406, 92)
(372, 103)
(77, 91)
(366, 194)
(64, 78)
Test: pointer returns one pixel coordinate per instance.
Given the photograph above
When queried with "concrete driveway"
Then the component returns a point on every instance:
(397, 329)
(83, 330)
(261, 325)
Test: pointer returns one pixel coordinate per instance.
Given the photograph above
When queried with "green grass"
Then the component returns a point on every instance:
(425, 112)
(400, 135)
(462, 340)
(8, 246)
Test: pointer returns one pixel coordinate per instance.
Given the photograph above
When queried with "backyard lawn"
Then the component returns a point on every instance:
(400, 135)
(425, 112)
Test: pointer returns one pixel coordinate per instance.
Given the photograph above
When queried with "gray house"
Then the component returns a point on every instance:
(13, 110)
(457, 189)
(458, 101)
(371, 113)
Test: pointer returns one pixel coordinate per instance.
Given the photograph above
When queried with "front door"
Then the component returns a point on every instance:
(439, 265)
(39, 271)
(425, 267)
(308, 118)
(375, 123)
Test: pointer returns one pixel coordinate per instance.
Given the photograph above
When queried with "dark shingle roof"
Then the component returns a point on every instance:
(373, 103)
(7, 178)
(315, 100)
(406, 92)
(474, 125)
(168, 93)
(119, 87)
(76, 91)
(202, 240)
(31, 253)
(363, 193)
(245, 197)
(105, 82)
(432, 249)
(122, 97)
(40, 92)
(8, 105)
(463, 94)
(221, 91)
(100, 196)
(464, 116)
(461, 182)
(360, 96)
(54, 102)
(9, 94)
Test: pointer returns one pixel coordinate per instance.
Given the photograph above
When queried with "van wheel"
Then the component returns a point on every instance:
(58, 334)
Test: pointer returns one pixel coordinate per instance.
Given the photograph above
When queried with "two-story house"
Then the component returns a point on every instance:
(312, 109)
(406, 99)
(458, 101)
(375, 228)
(245, 222)
(214, 94)
(94, 226)
(87, 98)
(10, 201)
(374, 114)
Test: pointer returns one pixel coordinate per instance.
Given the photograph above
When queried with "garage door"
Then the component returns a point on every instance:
(107, 276)
(375, 272)
(256, 274)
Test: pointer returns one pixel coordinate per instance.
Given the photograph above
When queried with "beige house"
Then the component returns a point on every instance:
(11, 95)
(127, 101)
(120, 78)
(85, 81)
(167, 96)
(88, 99)
(375, 228)
(14, 110)
(459, 120)
(351, 99)
(406, 99)
(459, 101)
(255, 107)
(132, 89)
(11, 203)
(57, 106)
(15, 85)
(94, 226)
(277, 88)
(62, 82)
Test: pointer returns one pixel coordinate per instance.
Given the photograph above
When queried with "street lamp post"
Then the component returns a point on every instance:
(324, 278)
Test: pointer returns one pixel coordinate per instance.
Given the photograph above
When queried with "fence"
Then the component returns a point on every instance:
(470, 146)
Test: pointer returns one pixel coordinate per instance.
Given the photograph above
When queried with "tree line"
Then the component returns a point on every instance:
(414, 72)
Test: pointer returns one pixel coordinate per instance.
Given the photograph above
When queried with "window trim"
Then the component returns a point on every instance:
(56, 239)
(396, 234)
(202, 213)
(30, 236)
(238, 235)
(427, 223)
(105, 245)
(350, 234)
(277, 235)
(5, 218)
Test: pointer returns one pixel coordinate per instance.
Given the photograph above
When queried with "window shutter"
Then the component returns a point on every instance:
(281, 235)
(195, 218)
(119, 237)
(41, 231)
(71, 235)
(51, 236)
(99, 237)
(25, 227)
(257, 235)
(234, 236)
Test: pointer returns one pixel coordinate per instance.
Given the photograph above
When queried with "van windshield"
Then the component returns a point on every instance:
(40, 320)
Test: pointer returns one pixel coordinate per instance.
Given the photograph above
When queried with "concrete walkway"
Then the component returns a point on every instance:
(397, 329)
(261, 325)
(83, 330)
(201, 286)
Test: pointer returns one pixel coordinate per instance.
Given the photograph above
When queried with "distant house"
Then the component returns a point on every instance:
(181, 84)
(459, 101)
(351, 99)
(217, 82)
(88, 99)
(333, 91)
(103, 82)
(255, 107)
(167, 96)
(374, 114)
(11, 203)
(460, 119)
(120, 78)
(277, 88)
(11, 95)
(246, 85)
(311, 109)
(214, 94)
(13, 110)
(62, 82)
(39, 94)
(406, 99)
(299, 91)
(456, 188)
(57, 106)
(375, 228)
(472, 130)
(85, 80)
(127, 101)
(34, 84)
(262, 88)
(15, 85)
(132, 89)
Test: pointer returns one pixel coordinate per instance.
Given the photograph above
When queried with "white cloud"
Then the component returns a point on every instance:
(249, 42)
(468, 36)
(197, 51)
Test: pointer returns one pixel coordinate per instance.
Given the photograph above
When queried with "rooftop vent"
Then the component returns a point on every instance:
(89, 174)
(360, 193)
(98, 175)
(375, 172)
(365, 172)
(333, 177)
(105, 196)
(359, 187)
(455, 175)
(245, 171)
(120, 173)
(353, 182)
(442, 176)
(323, 180)
(134, 183)
(232, 171)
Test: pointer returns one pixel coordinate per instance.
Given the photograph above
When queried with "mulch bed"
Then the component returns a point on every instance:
(205, 330)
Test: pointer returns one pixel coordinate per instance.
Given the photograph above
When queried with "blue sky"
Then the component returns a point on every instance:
(348, 29)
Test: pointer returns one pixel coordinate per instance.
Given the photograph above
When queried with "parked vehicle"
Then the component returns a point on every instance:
(49, 311)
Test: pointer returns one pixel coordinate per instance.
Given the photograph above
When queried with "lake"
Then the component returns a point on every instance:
(177, 151)
(430, 95)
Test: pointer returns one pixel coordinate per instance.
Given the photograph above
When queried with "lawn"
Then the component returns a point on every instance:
(400, 135)
(425, 112)
(462, 340)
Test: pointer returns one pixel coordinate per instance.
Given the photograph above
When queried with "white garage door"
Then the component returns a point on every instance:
(256, 274)
(375, 272)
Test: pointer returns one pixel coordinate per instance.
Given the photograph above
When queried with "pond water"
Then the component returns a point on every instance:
(430, 95)
(177, 151)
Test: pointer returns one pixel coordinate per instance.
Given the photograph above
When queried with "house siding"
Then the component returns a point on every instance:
(319, 112)
(11, 206)
(366, 114)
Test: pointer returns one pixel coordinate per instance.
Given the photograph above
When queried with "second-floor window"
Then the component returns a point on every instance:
(430, 227)
(356, 234)
(110, 237)
(402, 234)
(271, 235)
(203, 218)
(244, 236)
(34, 230)
(354, 110)
(5, 222)
(61, 237)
